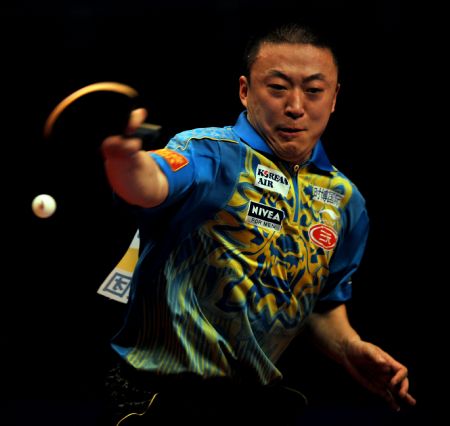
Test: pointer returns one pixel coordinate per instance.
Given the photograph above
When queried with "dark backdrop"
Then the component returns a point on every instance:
(184, 59)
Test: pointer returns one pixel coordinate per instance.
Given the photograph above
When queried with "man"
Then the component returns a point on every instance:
(248, 235)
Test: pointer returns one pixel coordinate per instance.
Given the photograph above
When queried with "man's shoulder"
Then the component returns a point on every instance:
(224, 134)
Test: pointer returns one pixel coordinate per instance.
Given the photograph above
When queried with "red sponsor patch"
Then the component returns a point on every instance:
(323, 235)
(175, 159)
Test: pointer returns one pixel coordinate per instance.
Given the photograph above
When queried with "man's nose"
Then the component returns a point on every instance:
(295, 104)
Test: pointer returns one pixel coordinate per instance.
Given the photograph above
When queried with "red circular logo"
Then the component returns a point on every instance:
(323, 235)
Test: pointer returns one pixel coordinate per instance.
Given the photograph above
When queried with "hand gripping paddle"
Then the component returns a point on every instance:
(145, 131)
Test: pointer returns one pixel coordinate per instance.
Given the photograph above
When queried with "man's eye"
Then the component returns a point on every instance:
(277, 87)
(314, 90)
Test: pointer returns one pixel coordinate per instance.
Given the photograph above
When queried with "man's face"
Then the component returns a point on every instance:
(289, 97)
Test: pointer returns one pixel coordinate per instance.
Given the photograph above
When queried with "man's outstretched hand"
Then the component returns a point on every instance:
(379, 372)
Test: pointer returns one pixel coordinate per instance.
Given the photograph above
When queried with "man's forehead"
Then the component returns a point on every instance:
(273, 72)
(283, 60)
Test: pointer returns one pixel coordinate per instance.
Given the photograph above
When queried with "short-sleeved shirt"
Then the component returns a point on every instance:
(239, 254)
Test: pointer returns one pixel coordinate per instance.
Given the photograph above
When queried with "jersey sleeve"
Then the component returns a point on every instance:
(179, 168)
(191, 162)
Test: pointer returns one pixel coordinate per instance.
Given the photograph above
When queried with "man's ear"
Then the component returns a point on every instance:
(243, 90)
(338, 86)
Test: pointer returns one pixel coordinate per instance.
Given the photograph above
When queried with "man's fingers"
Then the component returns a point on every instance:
(409, 399)
(399, 377)
(116, 146)
(137, 117)
(389, 397)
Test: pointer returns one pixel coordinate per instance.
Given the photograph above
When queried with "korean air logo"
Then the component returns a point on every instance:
(323, 236)
(272, 180)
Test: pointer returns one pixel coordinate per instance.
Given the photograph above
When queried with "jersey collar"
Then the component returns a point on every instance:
(249, 135)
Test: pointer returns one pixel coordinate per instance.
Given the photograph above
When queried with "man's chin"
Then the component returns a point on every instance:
(292, 152)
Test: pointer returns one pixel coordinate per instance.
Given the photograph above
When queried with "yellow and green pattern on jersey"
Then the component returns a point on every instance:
(232, 291)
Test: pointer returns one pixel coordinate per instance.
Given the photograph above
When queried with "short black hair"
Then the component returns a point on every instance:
(291, 33)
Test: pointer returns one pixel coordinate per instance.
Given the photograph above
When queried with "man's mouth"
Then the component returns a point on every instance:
(291, 129)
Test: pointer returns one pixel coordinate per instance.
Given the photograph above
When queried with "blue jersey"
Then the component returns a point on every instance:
(237, 257)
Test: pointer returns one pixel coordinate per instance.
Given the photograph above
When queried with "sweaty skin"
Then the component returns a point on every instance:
(290, 95)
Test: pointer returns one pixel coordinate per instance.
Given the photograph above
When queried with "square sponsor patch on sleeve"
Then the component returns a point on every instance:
(175, 160)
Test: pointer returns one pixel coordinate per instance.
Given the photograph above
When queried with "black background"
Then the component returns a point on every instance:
(184, 59)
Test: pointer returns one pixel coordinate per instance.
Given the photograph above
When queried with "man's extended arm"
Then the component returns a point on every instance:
(366, 362)
(131, 171)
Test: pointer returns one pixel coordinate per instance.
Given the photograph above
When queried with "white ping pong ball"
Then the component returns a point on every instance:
(43, 205)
